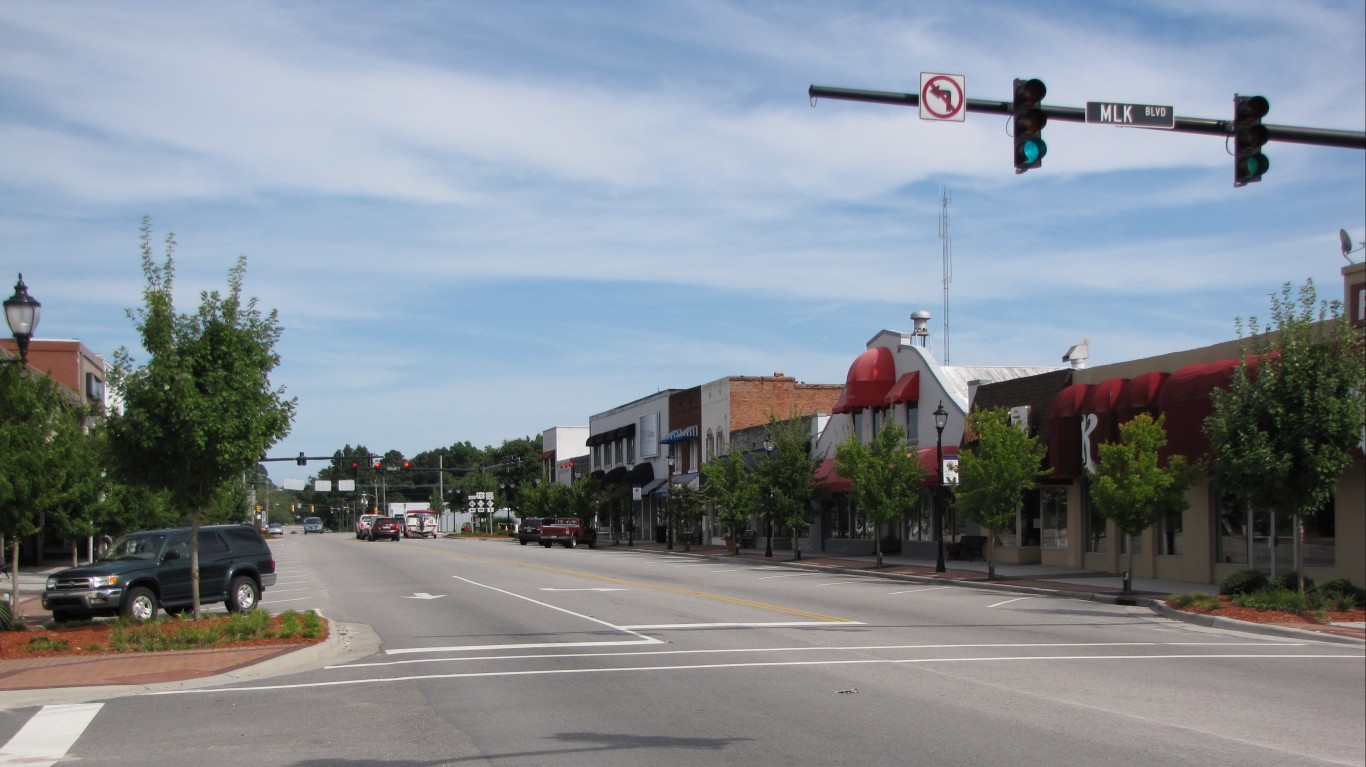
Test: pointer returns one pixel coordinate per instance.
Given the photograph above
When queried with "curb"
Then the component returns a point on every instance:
(1157, 606)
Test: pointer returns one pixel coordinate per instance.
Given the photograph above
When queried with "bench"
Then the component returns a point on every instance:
(747, 539)
(968, 547)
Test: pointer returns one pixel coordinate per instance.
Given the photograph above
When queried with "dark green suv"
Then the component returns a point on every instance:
(145, 571)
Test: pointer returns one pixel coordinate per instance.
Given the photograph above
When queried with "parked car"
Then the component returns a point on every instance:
(313, 525)
(568, 532)
(275, 528)
(384, 527)
(530, 531)
(146, 571)
(363, 524)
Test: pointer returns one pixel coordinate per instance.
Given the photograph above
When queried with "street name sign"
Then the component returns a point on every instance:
(1131, 115)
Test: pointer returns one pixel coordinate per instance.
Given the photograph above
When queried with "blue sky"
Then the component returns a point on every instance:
(479, 220)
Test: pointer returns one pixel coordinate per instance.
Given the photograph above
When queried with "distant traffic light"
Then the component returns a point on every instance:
(1029, 120)
(378, 466)
(407, 464)
(355, 468)
(1249, 136)
(301, 460)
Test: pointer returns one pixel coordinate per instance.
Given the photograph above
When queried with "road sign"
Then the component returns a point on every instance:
(942, 97)
(1131, 115)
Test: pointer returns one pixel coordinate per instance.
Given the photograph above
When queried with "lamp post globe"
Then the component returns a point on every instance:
(941, 419)
(21, 314)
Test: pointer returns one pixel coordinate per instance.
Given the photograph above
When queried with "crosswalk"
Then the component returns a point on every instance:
(48, 735)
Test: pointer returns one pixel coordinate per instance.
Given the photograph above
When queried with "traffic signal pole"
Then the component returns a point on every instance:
(1343, 139)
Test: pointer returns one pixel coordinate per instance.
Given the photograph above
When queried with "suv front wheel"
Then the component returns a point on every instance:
(140, 604)
(243, 595)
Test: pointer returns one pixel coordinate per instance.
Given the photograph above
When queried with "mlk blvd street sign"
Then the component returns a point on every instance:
(1131, 115)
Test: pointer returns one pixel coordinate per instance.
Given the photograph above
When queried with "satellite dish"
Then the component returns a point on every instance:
(1346, 240)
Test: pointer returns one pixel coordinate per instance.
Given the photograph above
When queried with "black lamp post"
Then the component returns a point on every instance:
(768, 522)
(941, 419)
(630, 476)
(21, 312)
(669, 504)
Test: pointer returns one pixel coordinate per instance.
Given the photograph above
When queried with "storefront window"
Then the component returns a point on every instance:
(1169, 534)
(912, 423)
(1053, 509)
(919, 524)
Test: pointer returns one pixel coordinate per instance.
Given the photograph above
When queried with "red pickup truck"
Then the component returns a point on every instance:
(568, 532)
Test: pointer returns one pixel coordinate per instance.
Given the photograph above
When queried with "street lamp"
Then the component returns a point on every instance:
(941, 419)
(630, 520)
(669, 504)
(768, 513)
(21, 312)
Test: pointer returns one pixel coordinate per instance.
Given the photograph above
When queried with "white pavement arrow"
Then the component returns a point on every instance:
(425, 595)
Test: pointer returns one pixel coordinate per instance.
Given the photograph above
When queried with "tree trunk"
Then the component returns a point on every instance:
(15, 613)
(1129, 574)
(194, 563)
(991, 554)
(877, 546)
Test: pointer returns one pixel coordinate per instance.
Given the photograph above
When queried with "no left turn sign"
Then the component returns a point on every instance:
(942, 97)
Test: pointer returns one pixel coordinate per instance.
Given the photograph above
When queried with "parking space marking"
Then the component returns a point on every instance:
(1008, 601)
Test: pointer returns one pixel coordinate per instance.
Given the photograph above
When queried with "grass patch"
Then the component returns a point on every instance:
(1196, 601)
(41, 643)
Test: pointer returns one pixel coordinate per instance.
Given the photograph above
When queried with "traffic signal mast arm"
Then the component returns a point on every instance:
(1342, 139)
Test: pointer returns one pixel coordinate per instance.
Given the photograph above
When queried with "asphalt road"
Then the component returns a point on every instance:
(497, 654)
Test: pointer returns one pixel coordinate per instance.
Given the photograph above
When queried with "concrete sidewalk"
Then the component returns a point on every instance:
(69, 679)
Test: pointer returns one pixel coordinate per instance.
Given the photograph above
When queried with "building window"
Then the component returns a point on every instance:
(711, 443)
(1169, 534)
(919, 524)
(1053, 509)
(1230, 540)
(858, 424)
(912, 423)
(631, 449)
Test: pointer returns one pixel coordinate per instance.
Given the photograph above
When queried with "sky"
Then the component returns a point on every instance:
(481, 220)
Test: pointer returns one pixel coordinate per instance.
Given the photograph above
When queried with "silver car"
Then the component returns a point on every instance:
(313, 525)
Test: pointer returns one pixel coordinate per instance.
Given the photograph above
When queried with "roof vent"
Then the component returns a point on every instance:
(922, 330)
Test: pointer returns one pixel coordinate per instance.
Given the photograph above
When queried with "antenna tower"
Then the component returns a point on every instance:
(944, 199)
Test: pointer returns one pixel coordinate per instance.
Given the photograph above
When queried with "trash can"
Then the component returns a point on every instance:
(661, 533)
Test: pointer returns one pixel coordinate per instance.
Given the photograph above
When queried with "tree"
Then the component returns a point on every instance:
(686, 504)
(1283, 432)
(729, 483)
(1006, 463)
(885, 479)
(787, 477)
(1131, 486)
(201, 411)
(44, 459)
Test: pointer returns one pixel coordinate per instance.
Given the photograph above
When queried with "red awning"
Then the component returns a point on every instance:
(1064, 430)
(1140, 395)
(1104, 396)
(826, 475)
(870, 378)
(1185, 402)
(907, 389)
(842, 404)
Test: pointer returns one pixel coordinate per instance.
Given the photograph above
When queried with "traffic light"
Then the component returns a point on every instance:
(355, 468)
(378, 466)
(1249, 135)
(407, 465)
(301, 460)
(1029, 121)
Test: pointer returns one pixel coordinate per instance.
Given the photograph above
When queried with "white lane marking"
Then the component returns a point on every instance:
(790, 575)
(277, 590)
(802, 649)
(913, 591)
(770, 624)
(424, 595)
(1008, 601)
(640, 638)
(280, 601)
(840, 583)
(588, 589)
(45, 739)
(1355, 658)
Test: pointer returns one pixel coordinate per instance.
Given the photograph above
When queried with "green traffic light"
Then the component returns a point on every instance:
(1031, 151)
(1253, 166)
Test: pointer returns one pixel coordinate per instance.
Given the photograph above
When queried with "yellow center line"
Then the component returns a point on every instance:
(656, 587)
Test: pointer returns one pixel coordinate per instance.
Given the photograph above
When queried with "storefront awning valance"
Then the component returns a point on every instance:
(1140, 395)
(907, 389)
(831, 479)
(1064, 431)
(679, 435)
(1185, 402)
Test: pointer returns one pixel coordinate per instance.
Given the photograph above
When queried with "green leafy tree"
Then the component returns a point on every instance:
(884, 478)
(686, 504)
(787, 477)
(1131, 486)
(201, 411)
(1006, 463)
(733, 491)
(41, 435)
(1282, 433)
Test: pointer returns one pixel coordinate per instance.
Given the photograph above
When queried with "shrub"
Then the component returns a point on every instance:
(1291, 581)
(1243, 582)
(1341, 589)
